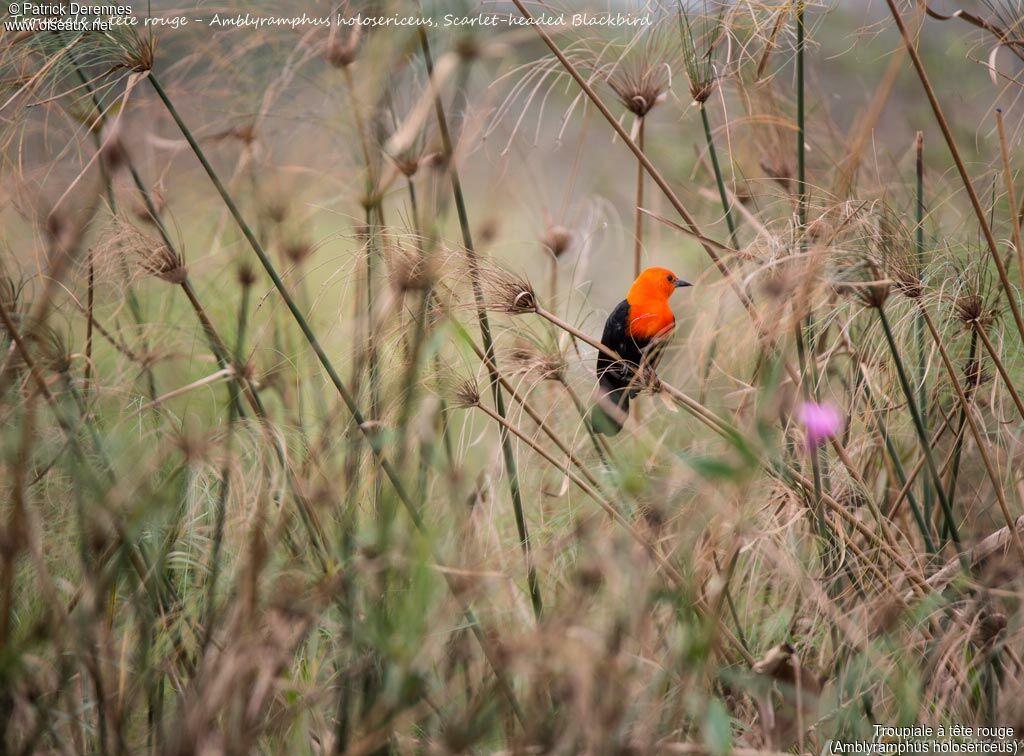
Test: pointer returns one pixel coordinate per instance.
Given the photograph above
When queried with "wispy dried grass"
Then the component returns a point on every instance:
(206, 547)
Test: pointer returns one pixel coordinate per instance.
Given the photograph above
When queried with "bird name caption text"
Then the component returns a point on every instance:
(954, 738)
(76, 16)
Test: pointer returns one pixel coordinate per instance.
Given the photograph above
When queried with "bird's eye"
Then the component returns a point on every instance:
(669, 278)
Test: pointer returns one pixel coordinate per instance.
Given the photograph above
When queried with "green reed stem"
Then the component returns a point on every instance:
(719, 178)
(922, 435)
(346, 396)
(133, 301)
(919, 518)
(922, 352)
(954, 470)
(485, 332)
(222, 495)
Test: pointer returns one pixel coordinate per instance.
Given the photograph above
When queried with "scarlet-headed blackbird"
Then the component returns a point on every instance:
(635, 330)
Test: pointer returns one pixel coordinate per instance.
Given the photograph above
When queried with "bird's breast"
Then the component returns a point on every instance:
(648, 319)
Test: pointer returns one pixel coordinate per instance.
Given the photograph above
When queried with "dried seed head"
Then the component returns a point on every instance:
(10, 292)
(246, 275)
(698, 37)
(297, 251)
(507, 292)
(558, 239)
(371, 199)
(193, 446)
(341, 53)
(276, 209)
(488, 231)
(895, 251)
(246, 133)
(466, 394)
(137, 52)
(534, 364)
(988, 625)
(164, 263)
(113, 154)
(863, 280)
(468, 48)
(970, 306)
(640, 86)
(410, 269)
(52, 348)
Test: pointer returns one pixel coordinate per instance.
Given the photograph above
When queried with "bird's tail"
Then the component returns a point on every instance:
(606, 419)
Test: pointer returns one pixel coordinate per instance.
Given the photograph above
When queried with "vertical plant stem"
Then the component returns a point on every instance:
(652, 171)
(719, 178)
(919, 518)
(220, 514)
(485, 332)
(954, 470)
(807, 342)
(638, 221)
(1011, 198)
(801, 166)
(979, 211)
(975, 431)
(89, 304)
(922, 352)
(922, 435)
(346, 396)
(1004, 374)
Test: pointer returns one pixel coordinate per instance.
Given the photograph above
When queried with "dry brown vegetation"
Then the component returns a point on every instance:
(298, 338)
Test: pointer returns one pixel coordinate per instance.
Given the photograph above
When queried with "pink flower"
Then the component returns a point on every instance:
(821, 421)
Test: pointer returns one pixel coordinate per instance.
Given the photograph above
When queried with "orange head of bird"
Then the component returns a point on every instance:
(649, 313)
(655, 285)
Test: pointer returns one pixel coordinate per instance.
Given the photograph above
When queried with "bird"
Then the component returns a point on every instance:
(635, 330)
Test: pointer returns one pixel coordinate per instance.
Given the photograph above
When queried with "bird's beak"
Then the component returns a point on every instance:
(680, 283)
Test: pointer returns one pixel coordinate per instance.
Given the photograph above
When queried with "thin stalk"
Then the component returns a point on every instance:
(922, 353)
(954, 470)
(919, 518)
(289, 301)
(372, 358)
(915, 509)
(719, 178)
(528, 408)
(606, 504)
(222, 496)
(89, 306)
(801, 166)
(357, 416)
(982, 446)
(922, 434)
(638, 219)
(1000, 368)
(581, 409)
(1011, 198)
(485, 329)
(418, 339)
(653, 172)
(979, 211)
(807, 340)
(133, 301)
(612, 511)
